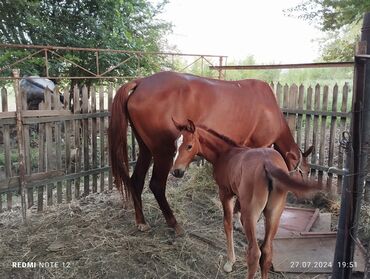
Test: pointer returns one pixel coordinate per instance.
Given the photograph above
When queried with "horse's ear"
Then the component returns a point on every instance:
(308, 151)
(178, 126)
(190, 127)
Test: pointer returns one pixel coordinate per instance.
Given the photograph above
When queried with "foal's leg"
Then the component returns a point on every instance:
(236, 216)
(137, 180)
(227, 204)
(272, 212)
(253, 251)
(161, 168)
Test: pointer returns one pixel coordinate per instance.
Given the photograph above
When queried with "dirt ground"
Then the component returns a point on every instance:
(95, 237)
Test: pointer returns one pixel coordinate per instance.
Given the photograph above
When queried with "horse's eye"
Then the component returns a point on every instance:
(189, 147)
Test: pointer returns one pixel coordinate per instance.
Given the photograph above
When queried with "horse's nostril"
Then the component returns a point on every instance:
(177, 173)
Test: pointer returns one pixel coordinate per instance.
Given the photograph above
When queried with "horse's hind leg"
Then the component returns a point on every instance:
(272, 212)
(236, 216)
(161, 168)
(137, 180)
(253, 251)
(226, 200)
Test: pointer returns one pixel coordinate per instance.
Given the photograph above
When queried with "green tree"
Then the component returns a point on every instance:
(340, 19)
(113, 24)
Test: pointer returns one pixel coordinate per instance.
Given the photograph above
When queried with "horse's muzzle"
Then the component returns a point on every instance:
(178, 173)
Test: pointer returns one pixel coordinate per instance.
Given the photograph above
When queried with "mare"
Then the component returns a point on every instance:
(259, 178)
(246, 111)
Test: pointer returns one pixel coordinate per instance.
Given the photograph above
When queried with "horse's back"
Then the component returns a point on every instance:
(244, 110)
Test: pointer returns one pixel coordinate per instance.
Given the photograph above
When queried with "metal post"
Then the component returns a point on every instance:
(356, 163)
(21, 144)
(220, 69)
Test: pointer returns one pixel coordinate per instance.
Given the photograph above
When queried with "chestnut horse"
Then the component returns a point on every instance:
(258, 177)
(246, 111)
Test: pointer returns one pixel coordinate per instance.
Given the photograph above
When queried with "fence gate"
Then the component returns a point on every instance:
(62, 147)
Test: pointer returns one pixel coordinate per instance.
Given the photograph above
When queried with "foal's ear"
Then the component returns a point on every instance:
(178, 126)
(190, 127)
(308, 151)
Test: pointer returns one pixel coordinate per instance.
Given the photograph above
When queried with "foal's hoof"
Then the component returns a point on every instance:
(143, 227)
(179, 231)
(228, 267)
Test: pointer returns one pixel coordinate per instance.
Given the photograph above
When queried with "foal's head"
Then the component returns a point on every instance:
(187, 146)
(302, 167)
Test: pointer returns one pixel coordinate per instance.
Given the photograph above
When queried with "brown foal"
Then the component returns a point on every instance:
(259, 177)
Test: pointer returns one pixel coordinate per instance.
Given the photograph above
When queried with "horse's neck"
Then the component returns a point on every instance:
(286, 144)
(212, 147)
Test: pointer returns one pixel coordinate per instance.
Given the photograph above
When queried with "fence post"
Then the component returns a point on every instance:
(21, 144)
(356, 163)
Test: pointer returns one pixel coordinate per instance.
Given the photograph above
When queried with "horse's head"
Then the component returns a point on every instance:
(301, 166)
(187, 147)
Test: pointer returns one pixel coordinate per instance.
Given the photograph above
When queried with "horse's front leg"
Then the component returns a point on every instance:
(161, 168)
(227, 205)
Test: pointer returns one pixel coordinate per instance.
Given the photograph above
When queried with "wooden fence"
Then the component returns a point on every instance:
(65, 150)
(318, 116)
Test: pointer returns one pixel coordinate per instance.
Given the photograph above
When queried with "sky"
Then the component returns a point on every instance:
(239, 28)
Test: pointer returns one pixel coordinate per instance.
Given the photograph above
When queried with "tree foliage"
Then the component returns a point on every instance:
(112, 24)
(331, 15)
(340, 19)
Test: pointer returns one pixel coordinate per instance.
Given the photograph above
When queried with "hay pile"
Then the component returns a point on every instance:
(96, 238)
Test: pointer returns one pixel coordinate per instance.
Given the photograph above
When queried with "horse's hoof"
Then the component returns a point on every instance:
(143, 227)
(179, 231)
(228, 267)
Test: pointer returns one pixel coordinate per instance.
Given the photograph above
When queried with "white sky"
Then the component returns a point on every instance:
(238, 28)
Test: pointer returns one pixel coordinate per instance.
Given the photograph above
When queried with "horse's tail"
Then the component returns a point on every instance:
(117, 137)
(289, 183)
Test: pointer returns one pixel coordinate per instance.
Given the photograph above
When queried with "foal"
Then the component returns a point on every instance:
(258, 177)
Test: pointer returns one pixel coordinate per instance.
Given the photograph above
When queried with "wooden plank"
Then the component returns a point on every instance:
(56, 177)
(110, 100)
(342, 127)
(86, 136)
(316, 113)
(315, 128)
(67, 133)
(299, 120)
(279, 93)
(40, 189)
(47, 112)
(102, 135)
(27, 152)
(81, 116)
(333, 128)
(94, 140)
(77, 126)
(307, 131)
(286, 96)
(292, 103)
(6, 114)
(48, 147)
(324, 107)
(58, 144)
(21, 146)
(7, 147)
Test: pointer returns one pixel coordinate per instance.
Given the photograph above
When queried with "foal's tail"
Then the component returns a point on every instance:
(117, 137)
(288, 183)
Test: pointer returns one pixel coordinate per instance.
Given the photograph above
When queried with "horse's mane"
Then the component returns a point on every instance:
(220, 136)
